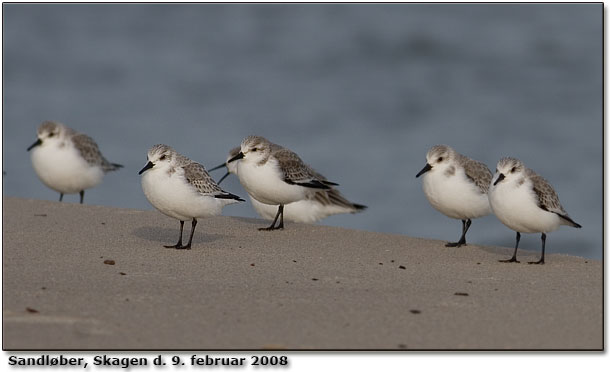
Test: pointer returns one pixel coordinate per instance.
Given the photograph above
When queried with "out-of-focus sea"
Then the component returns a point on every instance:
(359, 91)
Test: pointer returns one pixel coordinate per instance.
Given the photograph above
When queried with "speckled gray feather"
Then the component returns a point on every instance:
(198, 177)
(88, 149)
(334, 197)
(194, 173)
(546, 196)
(85, 145)
(478, 172)
(293, 167)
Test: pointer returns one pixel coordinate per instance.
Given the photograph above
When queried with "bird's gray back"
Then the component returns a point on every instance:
(89, 150)
(198, 177)
(478, 172)
(291, 165)
(547, 197)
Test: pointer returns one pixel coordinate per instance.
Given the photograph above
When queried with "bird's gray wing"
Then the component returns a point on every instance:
(478, 173)
(296, 172)
(334, 197)
(548, 198)
(198, 177)
(88, 149)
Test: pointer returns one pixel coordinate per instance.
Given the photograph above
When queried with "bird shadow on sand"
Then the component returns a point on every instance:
(249, 220)
(168, 236)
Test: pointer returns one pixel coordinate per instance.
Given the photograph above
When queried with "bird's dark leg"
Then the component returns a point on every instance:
(281, 225)
(179, 244)
(61, 196)
(188, 245)
(462, 241)
(514, 257)
(82, 196)
(280, 210)
(541, 260)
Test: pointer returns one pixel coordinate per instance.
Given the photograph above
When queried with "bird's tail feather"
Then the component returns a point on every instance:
(568, 221)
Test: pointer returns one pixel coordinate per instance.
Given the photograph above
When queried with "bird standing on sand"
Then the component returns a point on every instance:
(181, 188)
(456, 186)
(319, 205)
(526, 203)
(276, 176)
(67, 161)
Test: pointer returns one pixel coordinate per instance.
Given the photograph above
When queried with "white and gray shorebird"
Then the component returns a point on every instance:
(319, 205)
(526, 203)
(276, 176)
(67, 161)
(181, 188)
(456, 186)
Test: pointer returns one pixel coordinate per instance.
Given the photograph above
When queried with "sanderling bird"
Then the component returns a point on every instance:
(67, 161)
(456, 186)
(181, 188)
(526, 203)
(319, 205)
(275, 175)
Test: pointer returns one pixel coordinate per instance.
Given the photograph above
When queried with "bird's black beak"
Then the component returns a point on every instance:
(236, 157)
(146, 167)
(500, 178)
(424, 170)
(223, 177)
(217, 167)
(37, 143)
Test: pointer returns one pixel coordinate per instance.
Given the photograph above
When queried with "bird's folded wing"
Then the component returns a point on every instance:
(478, 173)
(198, 177)
(296, 172)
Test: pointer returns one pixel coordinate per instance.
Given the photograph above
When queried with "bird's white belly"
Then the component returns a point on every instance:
(64, 170)
(455, 196)
(172, 196)
(303, 211)
(265, 184)
(517, 208)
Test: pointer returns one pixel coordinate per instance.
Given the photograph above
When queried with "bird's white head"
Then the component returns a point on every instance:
(438, 158)
(159, 157)
(254, 150)
(50, 133)
(508, 170)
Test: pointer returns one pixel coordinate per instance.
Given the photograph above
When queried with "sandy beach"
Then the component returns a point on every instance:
(92, 277)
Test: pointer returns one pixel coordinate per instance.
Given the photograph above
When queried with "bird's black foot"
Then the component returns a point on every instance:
(188, 246)
(539, 262)
(177, 246)
(512, 259)
(455, 244)
(271, 228)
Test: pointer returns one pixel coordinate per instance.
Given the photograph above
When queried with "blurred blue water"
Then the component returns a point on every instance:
(359, 91)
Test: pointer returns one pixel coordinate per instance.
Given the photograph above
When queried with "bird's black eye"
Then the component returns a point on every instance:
(440, 158)
(254, 149)
(513, 169)
(51, 134)
(163, 157)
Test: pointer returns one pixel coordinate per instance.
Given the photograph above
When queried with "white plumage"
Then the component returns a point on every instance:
(456, 186)
(322, 204)
(525, 202)
(67, 161)
(181, 188)
(281, 185)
